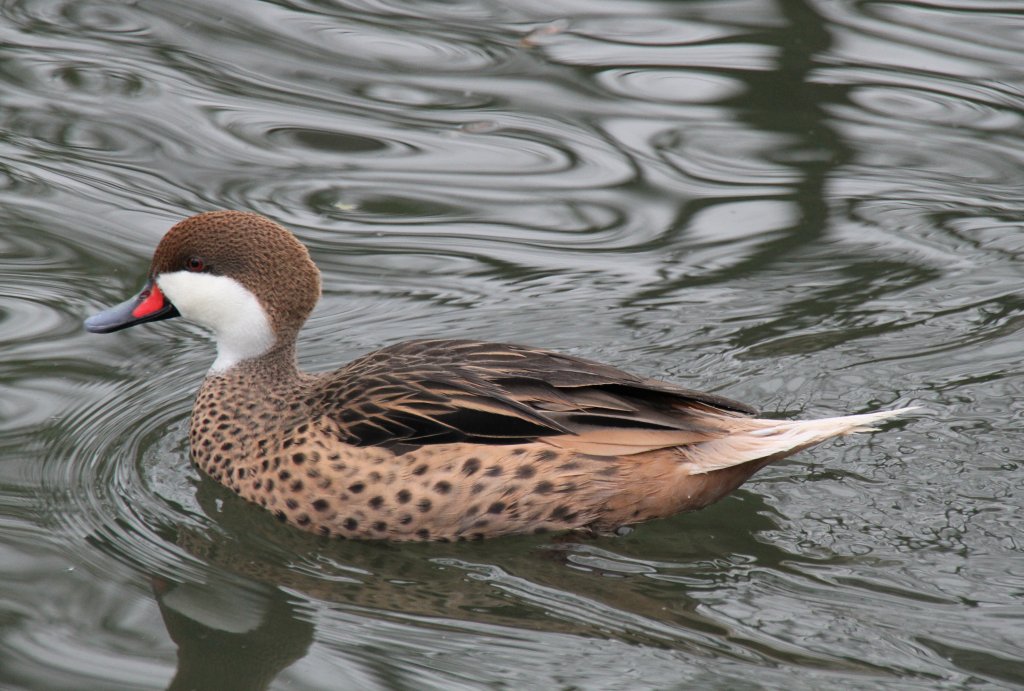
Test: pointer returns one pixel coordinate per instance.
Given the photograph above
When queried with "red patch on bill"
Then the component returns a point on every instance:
(153, 302)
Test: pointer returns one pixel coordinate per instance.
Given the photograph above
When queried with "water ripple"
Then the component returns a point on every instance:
(921, 105)
(108, 504)
(600, 42)
(89, 18)
(670, 85)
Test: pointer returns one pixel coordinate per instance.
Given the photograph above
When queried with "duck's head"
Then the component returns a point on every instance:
(243, 276)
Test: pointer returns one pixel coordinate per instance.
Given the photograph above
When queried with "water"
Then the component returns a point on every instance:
(812, 207)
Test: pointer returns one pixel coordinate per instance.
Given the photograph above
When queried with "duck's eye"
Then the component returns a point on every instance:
(195, 264)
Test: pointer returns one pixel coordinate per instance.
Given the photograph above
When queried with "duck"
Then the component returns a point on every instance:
(433, 440)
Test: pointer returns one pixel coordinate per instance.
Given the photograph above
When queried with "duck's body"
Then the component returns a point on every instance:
(433, 440)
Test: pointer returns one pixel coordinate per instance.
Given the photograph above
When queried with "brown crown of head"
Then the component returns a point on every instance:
(260, 254)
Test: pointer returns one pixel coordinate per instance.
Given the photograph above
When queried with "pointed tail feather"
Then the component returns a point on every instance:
(752, 439)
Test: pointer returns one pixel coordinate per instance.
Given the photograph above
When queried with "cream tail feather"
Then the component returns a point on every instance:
(752, 439)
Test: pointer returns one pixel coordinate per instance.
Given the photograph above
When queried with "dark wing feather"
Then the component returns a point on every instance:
(444, 391)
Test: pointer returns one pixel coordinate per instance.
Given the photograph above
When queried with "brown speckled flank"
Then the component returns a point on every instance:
(443, 439)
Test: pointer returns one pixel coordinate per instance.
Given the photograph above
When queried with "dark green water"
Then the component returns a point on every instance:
(812, 207)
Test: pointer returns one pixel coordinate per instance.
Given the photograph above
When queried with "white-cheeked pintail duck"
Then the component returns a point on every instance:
(437, 439)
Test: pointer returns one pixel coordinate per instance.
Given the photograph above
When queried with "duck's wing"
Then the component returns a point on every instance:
(445, 391)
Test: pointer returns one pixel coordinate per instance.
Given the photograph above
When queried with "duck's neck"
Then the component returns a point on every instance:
(277, 365)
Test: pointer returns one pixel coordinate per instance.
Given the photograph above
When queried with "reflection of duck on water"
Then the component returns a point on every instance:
(380, 608)
(231, 634)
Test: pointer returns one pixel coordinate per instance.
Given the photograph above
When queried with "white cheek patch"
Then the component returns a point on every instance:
(226, 307)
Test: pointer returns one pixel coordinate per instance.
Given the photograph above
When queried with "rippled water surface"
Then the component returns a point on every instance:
(813, 207)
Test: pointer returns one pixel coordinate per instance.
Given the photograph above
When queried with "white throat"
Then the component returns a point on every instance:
(239, 323)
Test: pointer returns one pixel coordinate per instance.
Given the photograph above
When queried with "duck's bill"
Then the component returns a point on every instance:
(149, 305)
